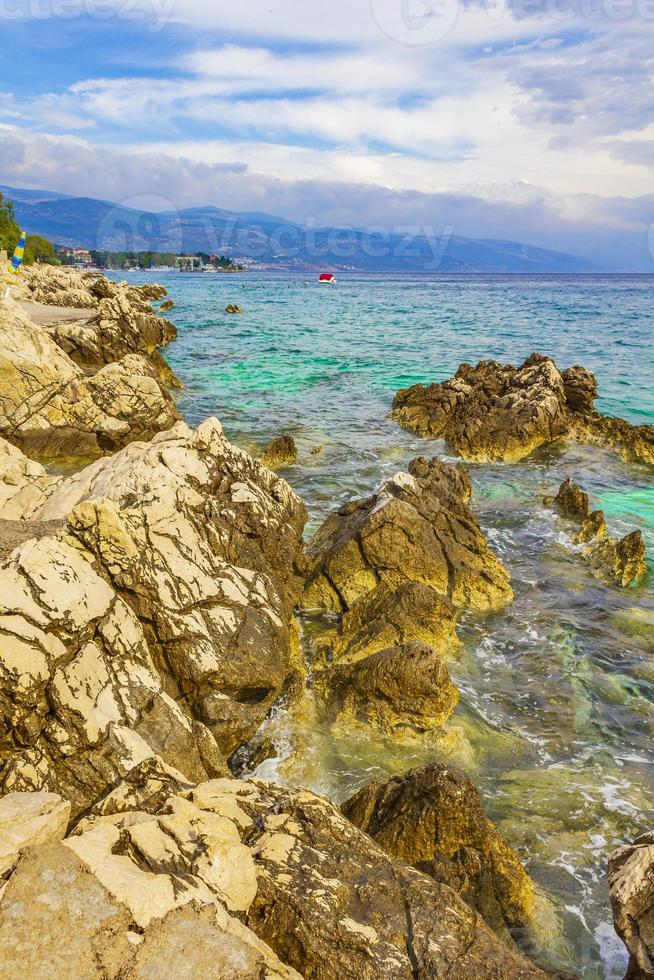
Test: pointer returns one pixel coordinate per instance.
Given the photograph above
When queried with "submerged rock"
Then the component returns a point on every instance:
(622, 562)
(280, 452)
(156, 624)
(434, 819)
(631, 887)
(498, 412)
(416, 528)
(48, 406)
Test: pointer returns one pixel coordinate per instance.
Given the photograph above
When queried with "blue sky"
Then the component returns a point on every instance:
(523, 119)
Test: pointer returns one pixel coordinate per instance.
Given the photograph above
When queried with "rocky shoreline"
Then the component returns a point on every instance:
(148, 626)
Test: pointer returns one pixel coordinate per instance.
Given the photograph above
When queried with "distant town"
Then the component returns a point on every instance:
(84, 258)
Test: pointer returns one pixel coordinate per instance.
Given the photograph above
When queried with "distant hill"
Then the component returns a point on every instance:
(91, 223)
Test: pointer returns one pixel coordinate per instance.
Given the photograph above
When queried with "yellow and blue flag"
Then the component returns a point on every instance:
(15, 264)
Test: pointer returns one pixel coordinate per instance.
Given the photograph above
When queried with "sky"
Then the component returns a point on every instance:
(530, 120)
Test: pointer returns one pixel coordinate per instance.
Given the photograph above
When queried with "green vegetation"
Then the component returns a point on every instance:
(38, 249)
(9, 229)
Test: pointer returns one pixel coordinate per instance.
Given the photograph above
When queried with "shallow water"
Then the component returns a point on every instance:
(557, 691)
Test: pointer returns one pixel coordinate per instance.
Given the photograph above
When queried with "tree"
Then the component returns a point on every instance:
(38, 249)
(9, 228)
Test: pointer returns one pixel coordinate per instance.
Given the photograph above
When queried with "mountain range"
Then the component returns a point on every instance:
(269, 240)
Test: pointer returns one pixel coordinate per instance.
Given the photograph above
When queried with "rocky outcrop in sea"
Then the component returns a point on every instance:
(494, 411)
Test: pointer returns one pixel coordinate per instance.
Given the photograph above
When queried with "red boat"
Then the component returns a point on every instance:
(326, 277)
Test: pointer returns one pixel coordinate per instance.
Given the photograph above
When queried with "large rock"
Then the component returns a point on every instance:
(141, 892)
(388, 617)
(631, 886)
(434, 819)
(24, 484)
(27, 819)
(416, 528)
(134, 897)
(50, 408)
(401, 691)
(121, 319)
(622, 562)
(156, 624)
(496, 411)
(334, 905)
(491, 411)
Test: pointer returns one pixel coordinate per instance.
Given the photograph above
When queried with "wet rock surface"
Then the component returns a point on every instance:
(434, 819)
(400, 691)
(416, 528)
(623, 562)
(493, 411)
(631, 887)
(397, 566)
(155, 624)
(280, 452)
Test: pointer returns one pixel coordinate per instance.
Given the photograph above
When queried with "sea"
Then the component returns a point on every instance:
(556, 713)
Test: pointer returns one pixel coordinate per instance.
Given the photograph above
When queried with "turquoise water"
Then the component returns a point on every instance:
(558, 691)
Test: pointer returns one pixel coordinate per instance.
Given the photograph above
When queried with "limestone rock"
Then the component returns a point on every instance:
(78, 910)
(121, 319)
(491, 411)
(499, 412)
(389, 617)
(416, 528)
(24, 484)
(580, 388)
(130, 390)
(134, 893)
(572, 500)
(402, 691)
(631, 887)
(157, 624)
(280, 452)
(48, 406)
(622, 562)
(434, 819)
(332, 904)
(635, 443)
(27, 819)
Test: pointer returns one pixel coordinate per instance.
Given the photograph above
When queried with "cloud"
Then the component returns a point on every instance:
(529, 119)
(582, 224)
